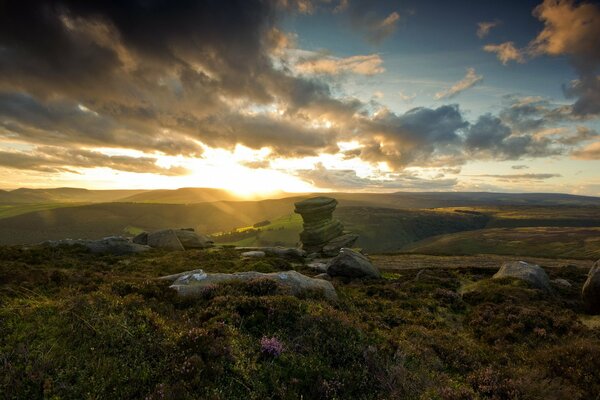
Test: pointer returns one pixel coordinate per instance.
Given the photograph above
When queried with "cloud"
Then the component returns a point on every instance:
(520, 177)
(589, 152)
(56, 159)
(572, 29)
(341, 179)
(376, 27)
(361, 65)
(471, 79)
(484, 28)
(505, 52)
(491, 137)
(408, 98)
(520, 166)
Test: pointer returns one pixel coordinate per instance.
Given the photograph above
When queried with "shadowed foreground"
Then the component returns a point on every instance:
(75, 325)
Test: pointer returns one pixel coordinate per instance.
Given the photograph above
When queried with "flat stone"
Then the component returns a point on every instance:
(194, 283)
(115, 245)
(318, 266)
(254, 254)
(352, 264)
(562, 283)
(530, 273)
(286, 252)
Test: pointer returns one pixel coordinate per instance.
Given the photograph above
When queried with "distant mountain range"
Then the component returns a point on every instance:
(76, 195)
(203, 195)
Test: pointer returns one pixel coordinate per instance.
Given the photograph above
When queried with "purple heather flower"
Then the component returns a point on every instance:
(271, 346)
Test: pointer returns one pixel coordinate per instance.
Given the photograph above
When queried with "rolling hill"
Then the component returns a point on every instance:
(548, 242)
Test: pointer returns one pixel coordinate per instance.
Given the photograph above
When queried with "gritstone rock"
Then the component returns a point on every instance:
(530, 273)
(194, 283)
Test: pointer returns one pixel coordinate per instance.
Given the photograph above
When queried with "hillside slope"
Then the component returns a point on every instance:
(550, 242)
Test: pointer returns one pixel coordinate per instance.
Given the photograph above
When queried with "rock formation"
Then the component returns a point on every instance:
(321, 230)
(194, 283)
(174, 239)
(352, 264)
(115, 245)
(530, 273)
(591, 289)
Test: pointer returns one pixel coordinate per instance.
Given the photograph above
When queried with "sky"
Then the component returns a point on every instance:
(259, 96)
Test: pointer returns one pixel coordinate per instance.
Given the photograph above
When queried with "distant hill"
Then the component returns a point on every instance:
(99, 220)
(194, 195)
(549, 242)
(63, 195)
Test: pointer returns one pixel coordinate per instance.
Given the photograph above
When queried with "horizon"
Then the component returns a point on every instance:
(307, 96)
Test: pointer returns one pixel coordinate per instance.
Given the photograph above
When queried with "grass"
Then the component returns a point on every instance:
(78, 326)
(12, 210)
(282, 231)
(550, 242)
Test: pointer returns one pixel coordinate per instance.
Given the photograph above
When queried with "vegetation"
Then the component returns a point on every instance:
(552, 242)
(75, 326)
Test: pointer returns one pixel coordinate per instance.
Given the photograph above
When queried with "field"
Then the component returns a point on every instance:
(74, 325)
(12, 210)
(549, 242)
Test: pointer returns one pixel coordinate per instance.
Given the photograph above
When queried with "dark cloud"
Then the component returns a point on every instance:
(490, 137)
(57, 159)
(521, 166)
(521, 177)
(419, 137)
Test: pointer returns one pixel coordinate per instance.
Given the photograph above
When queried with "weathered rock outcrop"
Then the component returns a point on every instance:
(194, 283)
(530, 273)
(115, 245)
(174, 239)
(286, 252)
(321, 230)
(591, 289)
(352, 264)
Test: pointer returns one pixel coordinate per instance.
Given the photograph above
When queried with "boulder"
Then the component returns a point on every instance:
(591, 289)
(352, 264)
(333, 247)
(286, 252)
(317, 266)
(530, 273)
(323, 276)
(164, 239)
(141, 238)
(194, 283)
(192, 240)
(115, 245)
(563, 283)
(254, 254)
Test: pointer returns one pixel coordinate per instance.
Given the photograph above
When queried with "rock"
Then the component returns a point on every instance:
(352, 264)
(562, 283)
(591, 289)
(318, 266)
(174, 277)
(141, 238)
(530, 273)
(254, 254)
(287, 252)
(193, 283)
(333, 247)
(323, 276)
(115, 245)
(192, 240)
(319, 225)
(165, 239)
